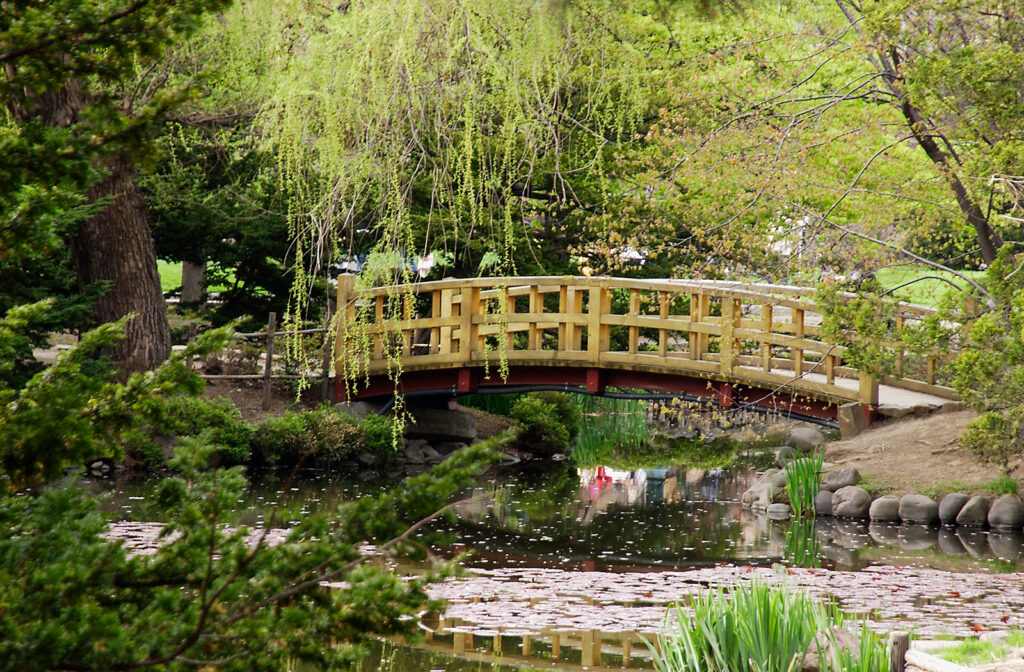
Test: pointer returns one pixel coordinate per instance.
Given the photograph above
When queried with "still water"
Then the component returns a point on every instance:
(554, 521)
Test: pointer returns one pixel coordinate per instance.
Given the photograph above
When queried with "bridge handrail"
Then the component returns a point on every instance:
(748, 340)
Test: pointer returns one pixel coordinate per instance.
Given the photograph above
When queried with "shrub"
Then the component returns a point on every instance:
(185, 415)
(547, 426)
(327, 435)
(379, 434)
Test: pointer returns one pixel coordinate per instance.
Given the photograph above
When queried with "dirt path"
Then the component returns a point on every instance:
(909, 455)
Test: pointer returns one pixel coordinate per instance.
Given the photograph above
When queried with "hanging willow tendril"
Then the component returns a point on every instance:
(430, 125)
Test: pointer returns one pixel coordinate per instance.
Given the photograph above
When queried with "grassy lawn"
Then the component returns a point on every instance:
(927, 292)
(170, 276)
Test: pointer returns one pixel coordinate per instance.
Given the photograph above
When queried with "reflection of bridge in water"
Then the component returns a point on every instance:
(736, 345)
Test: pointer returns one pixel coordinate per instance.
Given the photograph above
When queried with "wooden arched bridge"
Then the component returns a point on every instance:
(735, 344)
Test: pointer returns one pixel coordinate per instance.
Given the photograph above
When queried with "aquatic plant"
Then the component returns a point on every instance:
(756, 627)
(803, 478)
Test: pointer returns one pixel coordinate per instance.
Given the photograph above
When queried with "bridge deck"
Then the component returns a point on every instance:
(762, 338)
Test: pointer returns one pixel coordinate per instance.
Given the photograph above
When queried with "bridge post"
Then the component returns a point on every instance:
(867, 394)
(469, 332)
(731, 315)
(598, 334)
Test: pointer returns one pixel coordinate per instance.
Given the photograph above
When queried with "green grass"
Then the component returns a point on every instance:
(926, 292)
(756, 628)
(1004, 485)
(977, 652)
(170, 274)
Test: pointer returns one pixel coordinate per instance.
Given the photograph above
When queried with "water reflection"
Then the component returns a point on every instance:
(602, 518)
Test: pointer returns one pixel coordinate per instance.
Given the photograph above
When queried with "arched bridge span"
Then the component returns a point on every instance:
(734, 344)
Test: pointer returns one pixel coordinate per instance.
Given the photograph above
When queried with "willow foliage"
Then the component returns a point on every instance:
(447, 120)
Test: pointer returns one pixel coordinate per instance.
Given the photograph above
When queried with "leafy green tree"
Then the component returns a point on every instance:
(77, 121)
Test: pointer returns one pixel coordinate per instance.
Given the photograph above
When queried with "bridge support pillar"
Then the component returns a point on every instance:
(596, 381)
(466, 383)
(853, 419)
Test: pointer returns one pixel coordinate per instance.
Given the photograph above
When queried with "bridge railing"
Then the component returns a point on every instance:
(766, 335)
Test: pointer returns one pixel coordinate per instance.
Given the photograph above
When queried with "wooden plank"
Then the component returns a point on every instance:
(663, 305)
(563, 308)
(634, 309)
(445, 346)
(798, 353)
(729, 344)
(435, 312)
(766, 328)
(536, 308)
(378, 318)
(268, 365)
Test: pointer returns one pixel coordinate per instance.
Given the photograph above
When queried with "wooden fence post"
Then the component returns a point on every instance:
(899, 643)
(267, 380)
(325, 364)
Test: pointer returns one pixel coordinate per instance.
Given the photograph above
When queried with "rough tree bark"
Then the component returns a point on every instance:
(116, 245)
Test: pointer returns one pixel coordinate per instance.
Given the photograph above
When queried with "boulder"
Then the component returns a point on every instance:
(785, 455)
(367, 459)
(1006, 512)
(779, 512)
(778, 486)
(441, 424)
(851, 502)
(414, 455)
(430, 454)
(840, 478)
(950, 507)
(805, 439)
(885, 509)
(762, 484)
(919, 509)
(974, 513)
(822, 653)
(823, 503)
(449, 447)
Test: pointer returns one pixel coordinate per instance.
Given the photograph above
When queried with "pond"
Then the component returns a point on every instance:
(557, 551)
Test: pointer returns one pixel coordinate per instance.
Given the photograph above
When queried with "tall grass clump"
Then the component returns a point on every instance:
(759, 628)
(612, 426)
(803, 478)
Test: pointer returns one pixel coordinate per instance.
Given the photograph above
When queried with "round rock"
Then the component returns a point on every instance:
(840, 478)
(784, 455)
(823, 503)
(851, 502)
(779, 511)
(974, 513)
(950, 507)
(919, 509)
(778, 481)
(805, 438)
(1006, 512)
(885, 509)
(753, 493)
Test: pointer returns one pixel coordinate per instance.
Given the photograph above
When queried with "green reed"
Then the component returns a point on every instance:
(803, 478)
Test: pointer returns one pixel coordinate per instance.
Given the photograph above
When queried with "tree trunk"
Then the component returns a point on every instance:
(193, 275)
(116, 246)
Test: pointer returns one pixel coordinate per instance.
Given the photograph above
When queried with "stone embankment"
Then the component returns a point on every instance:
(841, 496)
